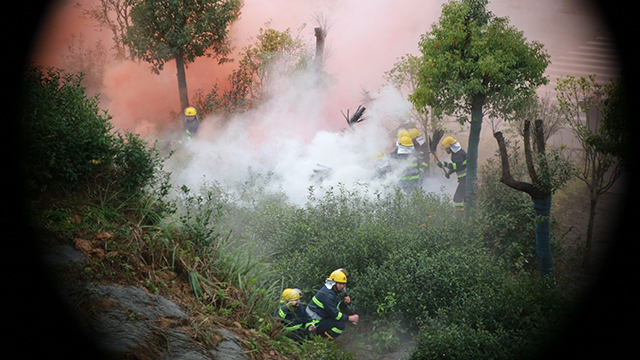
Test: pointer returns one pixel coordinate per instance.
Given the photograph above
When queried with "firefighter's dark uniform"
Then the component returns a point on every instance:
(458, 165)
(411, 178)
(191, 127)
(295, 319)
(328, 313)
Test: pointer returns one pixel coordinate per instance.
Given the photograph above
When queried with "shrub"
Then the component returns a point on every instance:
(65, 138)
(506, 215)
(513, 319)
(68, 141)
(428, 280)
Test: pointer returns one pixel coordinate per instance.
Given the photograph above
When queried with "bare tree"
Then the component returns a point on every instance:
(540, 108)
(583, 102)
(113, 15)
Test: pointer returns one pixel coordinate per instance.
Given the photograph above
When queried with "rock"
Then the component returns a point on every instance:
(129, 322)
(62, 254)
(228, 348)
(132, 322)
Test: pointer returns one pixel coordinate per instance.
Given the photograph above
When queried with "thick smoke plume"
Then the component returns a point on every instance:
(301, 129)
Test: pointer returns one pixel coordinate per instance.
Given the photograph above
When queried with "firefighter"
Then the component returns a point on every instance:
(411, 161)
(458, 165)
(191, 122)
(292, 314)
(328, 313)
(400, 134)
(419, 142)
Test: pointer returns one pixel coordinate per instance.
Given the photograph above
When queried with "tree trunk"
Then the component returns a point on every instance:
(182, 82)
(542, 208)
(320, 36)
(472, 152)
(592, 218)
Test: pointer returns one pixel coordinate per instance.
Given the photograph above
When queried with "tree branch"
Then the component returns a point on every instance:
(506, 177)
(527, 152)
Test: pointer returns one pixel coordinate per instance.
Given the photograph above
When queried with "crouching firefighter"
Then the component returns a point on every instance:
(328, 313)
(457, 165)
(297, 323)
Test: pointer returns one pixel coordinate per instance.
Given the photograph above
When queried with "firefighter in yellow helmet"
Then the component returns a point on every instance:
(191, 121)
(458, 165)
(291, 313)
(419, 142)
(328, 313)
(410, 161)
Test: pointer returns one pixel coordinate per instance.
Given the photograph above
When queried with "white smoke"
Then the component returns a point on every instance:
(287, 137)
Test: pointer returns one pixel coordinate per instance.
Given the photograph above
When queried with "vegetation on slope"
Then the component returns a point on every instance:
(461, 289)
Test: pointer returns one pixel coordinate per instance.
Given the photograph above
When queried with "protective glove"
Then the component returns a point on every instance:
(440, 164)
(447, 175)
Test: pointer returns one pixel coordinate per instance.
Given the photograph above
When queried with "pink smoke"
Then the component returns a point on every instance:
(364, 40)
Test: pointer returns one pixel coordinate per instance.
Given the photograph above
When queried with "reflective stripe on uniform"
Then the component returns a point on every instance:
(317, 302)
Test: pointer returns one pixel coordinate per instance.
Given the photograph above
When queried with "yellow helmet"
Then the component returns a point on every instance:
(339, 276)
(190, 111)
(414, 133)
(448, 141)
(290, 295)
(405, 141)
(402, 133)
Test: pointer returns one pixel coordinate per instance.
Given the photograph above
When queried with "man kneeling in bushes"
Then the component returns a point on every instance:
(329, 314)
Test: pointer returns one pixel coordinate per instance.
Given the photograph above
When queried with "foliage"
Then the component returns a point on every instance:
(470, 51)
(602, 140)
(271, 57)
(162, 30)
(69, 142)
(506, 215)
(513, 319)
(114, 16)
(615, 135)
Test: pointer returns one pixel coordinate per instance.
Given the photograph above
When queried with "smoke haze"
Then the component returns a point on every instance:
(302, 128)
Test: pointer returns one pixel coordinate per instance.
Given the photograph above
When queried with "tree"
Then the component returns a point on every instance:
(472, 60)
(540, 108)
(552, 173)
(114, 15)
(602, 134)
(88, 61)
(181, 30)
(272, 56)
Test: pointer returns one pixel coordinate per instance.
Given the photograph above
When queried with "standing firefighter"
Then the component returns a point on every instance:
(329, 314)
(457, 165)
(297, 323)
(191, 122)
(411, 161)
(419, 142)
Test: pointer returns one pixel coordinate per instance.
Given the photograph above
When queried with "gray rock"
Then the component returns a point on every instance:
(125, 321)
(61, 254)
(228, 348)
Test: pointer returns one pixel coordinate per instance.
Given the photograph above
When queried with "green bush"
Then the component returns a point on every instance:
(514, 319)
(68, 141)
(410, 261)
(506, 215)
(428, 280)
